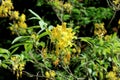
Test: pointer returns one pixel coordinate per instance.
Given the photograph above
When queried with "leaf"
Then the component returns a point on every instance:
(42, 24)
(37, 16)
(42, 44)
(88, 40)
(43, 34)
(40, 2)
(90, 70)
(14, 50)
(101, 75)
(4, 65)
(17, 45)
(4, 51)
(50, 27)
(4, 56)
(28, 47)
(20, 38)
(66, 17)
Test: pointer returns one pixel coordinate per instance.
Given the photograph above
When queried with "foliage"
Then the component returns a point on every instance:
(100, 55)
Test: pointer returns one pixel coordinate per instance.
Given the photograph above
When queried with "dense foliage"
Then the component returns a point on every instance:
(59, 40)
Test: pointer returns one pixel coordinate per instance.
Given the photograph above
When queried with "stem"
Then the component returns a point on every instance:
(112, 19)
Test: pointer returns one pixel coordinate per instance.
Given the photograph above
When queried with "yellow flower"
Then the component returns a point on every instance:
(115, 68)
(111, 75)
(99, 29)
(119, 22)
(116, 2)
(62, 36)
(14, 15)
(67, 7)
(56, 62)
(52, 73)
(22, 25)
(5, 7)
(68, 56)
(13, 58)
(47, 74)
(74, 50)
(22, 18)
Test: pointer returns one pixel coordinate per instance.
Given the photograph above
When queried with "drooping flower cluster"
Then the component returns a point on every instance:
(62, 37)
(18, 65)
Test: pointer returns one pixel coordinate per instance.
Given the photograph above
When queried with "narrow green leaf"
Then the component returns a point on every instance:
(20, 38)
(4, 51)
(43, 34)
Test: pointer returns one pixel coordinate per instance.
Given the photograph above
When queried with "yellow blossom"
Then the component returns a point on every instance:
(52, 73)
(18, 65)
(116, 2)
(22, 18)
(115, 68)
(99, 29)
(56, 62)
(62, 36)
(111, 75)
(74, 50)
(67, 7)
(14, 15)
(47, 74)
(5, 7)
(119, 22)
(22, 25)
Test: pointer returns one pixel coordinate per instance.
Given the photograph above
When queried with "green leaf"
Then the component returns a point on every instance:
(4, 51)
(101, 75)
(43, 34)
(17, 45)
(5, 56)
(40, 2)
(42, 44)
(87, 40)
(4, 65)
(50, 27)
(42, 24)
(66, 17)
(20, 38)
(35, 14)
(28, 47)
(14, 50)
(90, 70)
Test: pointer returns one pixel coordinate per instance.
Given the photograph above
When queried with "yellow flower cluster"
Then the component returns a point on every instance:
(66, 58)
(116, 2)
(19, 25)
(60, 5)
(68, 7)
(62, 36)
(99, 29)
(5, 8)
(112, 75)
(50, 74)
(18, 65)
